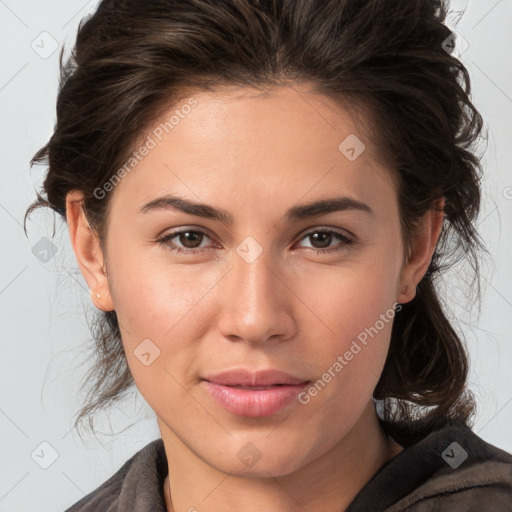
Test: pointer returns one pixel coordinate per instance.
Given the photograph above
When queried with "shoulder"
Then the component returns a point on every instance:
(137, 485)
(460, 471)
(443, 468)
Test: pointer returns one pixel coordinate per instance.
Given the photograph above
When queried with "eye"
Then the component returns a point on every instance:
(191, 240)
(323, 238)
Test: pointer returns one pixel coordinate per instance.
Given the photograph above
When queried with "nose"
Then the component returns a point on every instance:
(256, 301)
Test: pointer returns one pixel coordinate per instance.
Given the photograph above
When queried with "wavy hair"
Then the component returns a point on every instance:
(388, 60)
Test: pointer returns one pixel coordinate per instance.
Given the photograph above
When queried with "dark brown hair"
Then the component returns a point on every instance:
(133, 59)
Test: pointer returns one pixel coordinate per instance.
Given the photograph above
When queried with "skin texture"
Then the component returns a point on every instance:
(256, 155)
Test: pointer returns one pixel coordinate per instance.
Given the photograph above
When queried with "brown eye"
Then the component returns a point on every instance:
(321, 240)
(188, 241)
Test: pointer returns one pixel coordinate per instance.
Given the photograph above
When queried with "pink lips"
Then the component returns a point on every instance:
(254, 394)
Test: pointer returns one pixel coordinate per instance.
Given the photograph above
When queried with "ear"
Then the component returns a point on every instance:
(421, 252)
(88, 251)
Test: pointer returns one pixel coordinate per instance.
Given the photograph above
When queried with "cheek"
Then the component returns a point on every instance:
(353, 297)
(357, 322)
(153, 296)
(356, 306)
(157, 305)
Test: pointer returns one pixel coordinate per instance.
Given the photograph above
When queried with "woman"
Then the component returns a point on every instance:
(260, 196)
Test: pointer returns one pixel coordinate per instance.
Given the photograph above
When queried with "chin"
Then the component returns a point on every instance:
(260, 459)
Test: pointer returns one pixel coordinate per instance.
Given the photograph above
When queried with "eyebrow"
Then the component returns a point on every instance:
(296, 213)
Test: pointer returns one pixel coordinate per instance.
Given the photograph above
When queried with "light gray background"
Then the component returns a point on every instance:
(43, 323)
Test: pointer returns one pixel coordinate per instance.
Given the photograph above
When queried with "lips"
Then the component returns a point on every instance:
(246, 378)
(254, 394)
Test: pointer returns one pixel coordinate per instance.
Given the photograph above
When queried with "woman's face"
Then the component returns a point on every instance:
(264, 290)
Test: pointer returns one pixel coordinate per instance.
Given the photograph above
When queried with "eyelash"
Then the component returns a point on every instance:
(346, 241)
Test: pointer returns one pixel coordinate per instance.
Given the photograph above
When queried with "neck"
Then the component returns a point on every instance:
(329, 483)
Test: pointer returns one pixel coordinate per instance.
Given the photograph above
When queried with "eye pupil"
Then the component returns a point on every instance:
(323, 238)
(191, 236)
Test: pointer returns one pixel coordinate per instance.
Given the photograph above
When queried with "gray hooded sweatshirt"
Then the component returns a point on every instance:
(450, 469)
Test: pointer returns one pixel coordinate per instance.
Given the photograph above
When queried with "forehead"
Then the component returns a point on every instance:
(233, 115)
(242, 142)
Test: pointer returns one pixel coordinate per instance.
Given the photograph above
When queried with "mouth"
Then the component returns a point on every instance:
(257, 388)
(251, 379)
(254, 394)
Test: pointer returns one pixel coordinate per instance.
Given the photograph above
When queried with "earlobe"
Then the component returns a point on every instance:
(423, 248)
(406, 294)
(88, 252)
